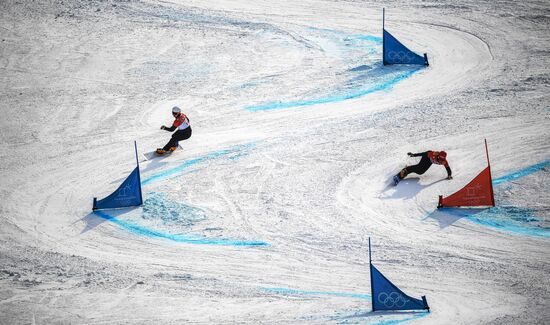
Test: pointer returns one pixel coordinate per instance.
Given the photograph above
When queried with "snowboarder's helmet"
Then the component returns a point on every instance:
(442, 155)
(176, 110)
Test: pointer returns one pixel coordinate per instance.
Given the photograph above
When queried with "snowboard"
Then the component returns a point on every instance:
(153, 154)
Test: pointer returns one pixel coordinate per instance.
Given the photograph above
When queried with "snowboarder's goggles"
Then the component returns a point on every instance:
(175, 113)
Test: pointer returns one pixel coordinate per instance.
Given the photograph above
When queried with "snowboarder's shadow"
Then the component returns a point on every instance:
(448, 216)
(154, 164)
(407, 188)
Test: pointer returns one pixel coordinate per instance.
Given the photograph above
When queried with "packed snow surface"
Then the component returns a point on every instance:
(264, 214)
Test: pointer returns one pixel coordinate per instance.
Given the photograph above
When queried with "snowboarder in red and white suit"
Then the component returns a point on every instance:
(428, 158)
(181, 123)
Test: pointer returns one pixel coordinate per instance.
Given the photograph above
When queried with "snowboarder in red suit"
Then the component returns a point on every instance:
(181, 123)
(428, 158)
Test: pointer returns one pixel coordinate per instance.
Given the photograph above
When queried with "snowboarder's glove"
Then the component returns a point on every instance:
(410, 154)
(163, 127)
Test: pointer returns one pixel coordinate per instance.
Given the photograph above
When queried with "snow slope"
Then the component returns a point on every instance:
(264, 216)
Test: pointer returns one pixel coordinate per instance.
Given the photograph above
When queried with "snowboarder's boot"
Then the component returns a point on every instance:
(172, 149)
(160, 151)
(396, 180)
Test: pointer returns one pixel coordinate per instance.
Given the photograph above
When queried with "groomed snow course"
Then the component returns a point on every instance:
(297, 129)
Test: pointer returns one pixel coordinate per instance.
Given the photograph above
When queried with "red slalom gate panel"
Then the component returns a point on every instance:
(479, 192)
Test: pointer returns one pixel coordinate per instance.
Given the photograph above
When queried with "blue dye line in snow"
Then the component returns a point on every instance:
(237, 150)
(508, 219)
(287, 291)
(337, 98)
(172, 171)
(370, 38)
(158, 208)
(521, 173)
(138, 230)
(143, 231)
(357, 43)
(511, 219)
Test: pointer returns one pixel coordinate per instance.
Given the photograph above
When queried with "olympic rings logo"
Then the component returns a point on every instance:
(401, 56)
(393, 299)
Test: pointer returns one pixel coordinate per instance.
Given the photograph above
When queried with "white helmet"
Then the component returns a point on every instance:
(176, 110)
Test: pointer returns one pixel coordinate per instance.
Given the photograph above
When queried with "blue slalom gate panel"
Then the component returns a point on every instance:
(397, 53)
(127, 195)
(386, 296)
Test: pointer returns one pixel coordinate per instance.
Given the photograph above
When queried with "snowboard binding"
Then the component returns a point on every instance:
(161, 151)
